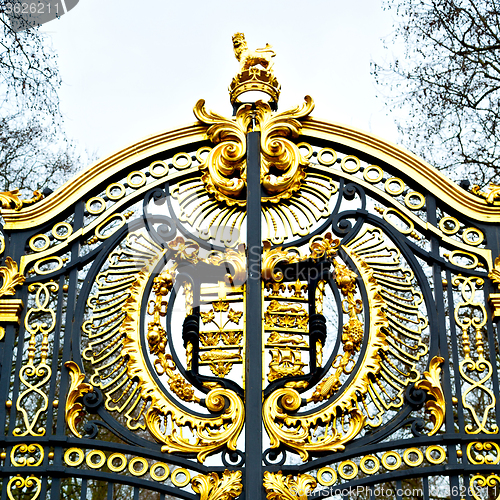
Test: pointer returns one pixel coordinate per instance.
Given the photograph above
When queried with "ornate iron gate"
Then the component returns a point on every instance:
(263, 306)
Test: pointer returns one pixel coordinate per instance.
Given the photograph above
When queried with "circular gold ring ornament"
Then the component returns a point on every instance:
(186, 479)
(350, 170)
(158, 465)
(101, 205)
(138, 460)
(414, 206)
(443, 223)
(153, 169)
(398, 190)
(326, 470)
(373, 168)
(348, 463)
(61, 225)
(78, 461)
(117, 468)
(112, 187)
(369, 470)
(394, 455)
(435, 461)
(468, 240)
(411, 463)
(132, 176)
(309, 150)
(44, 238)
(180, 156)
(204, 149)
(99, 463)
(327, 151)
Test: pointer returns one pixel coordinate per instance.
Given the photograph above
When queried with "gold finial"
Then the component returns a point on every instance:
(251, 77)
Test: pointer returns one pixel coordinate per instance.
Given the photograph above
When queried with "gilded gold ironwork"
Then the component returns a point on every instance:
(494, 298)
(478, 480)
(213, 487)
(432, 385)
(491, 196)
(282, 165)
(11, 277)
(279, 487)
(252, 77)
(34, 451)
(35, 376)
(74, 409)
(11, 199)
(480, 368)
(30, 483)
(480, 453)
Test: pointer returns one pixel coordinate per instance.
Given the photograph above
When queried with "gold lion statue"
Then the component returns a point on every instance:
(249, 58)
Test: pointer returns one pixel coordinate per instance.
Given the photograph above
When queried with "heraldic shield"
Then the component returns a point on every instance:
(264, 305)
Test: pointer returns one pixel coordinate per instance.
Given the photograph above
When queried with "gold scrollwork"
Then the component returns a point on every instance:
(492, 481)
(282, 165)
(29, 483)
(279, 487)
(30, 449)
(213, 487)
(490, 197)
(432, 385)
(10, 199)
(34, 377)
(494, 298)
(74, 408)
(11, 277)
(468, 366)
(490, 449)
(205, 441)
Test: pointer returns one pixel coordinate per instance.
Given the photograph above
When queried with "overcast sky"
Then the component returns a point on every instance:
(134, 68)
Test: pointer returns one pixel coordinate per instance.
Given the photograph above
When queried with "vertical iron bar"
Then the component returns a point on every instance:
(253, 341)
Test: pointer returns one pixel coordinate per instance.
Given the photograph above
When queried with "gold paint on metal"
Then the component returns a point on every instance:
(350, 475)
(211, 487)
(494, 298)
(481, 367)
(74, 409)
(326, 151)
(459, 453)
(373, 168)
(11, 277)
(492, 481)
(142, 470)
(327, 470)
(39, 237)
(183, 482)
(444, 225)
(490, 197)
(475, 448)
(8, 404)
(452, 257)
(51, 455)
(432, 385)
(101, 205)
(19, 482)
(224, 169)
(159, 477)
(80, 457)
(350, 158)
(435, 461)
(3, 455)
(369, 470)
(154, 166)
(414, 206)
(256, 71)
(468, 240)
(394, 180)
(10, 199)
(10, 311)
(413, 463)
(112, 195)
(35, 377)
(279, 487)
(391, 454)
(117, 468)
(131, 179)
(30, 449)
(100, 462)
(57, 227)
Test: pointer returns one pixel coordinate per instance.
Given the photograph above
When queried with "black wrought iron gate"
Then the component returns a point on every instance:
(262, 306)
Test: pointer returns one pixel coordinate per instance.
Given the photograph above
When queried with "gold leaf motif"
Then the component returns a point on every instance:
(211, 487)
(74, 409)
(274, 256)
(10, 199)
(282, 165)
(491, 197)
(279, 487)
(11, 277)
(432, 385)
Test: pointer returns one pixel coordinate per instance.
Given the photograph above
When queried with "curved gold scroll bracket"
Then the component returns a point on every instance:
(74, 408)
(10, 199)
(213, 487)
(432, 385)
(10, 309)
(279, 487)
